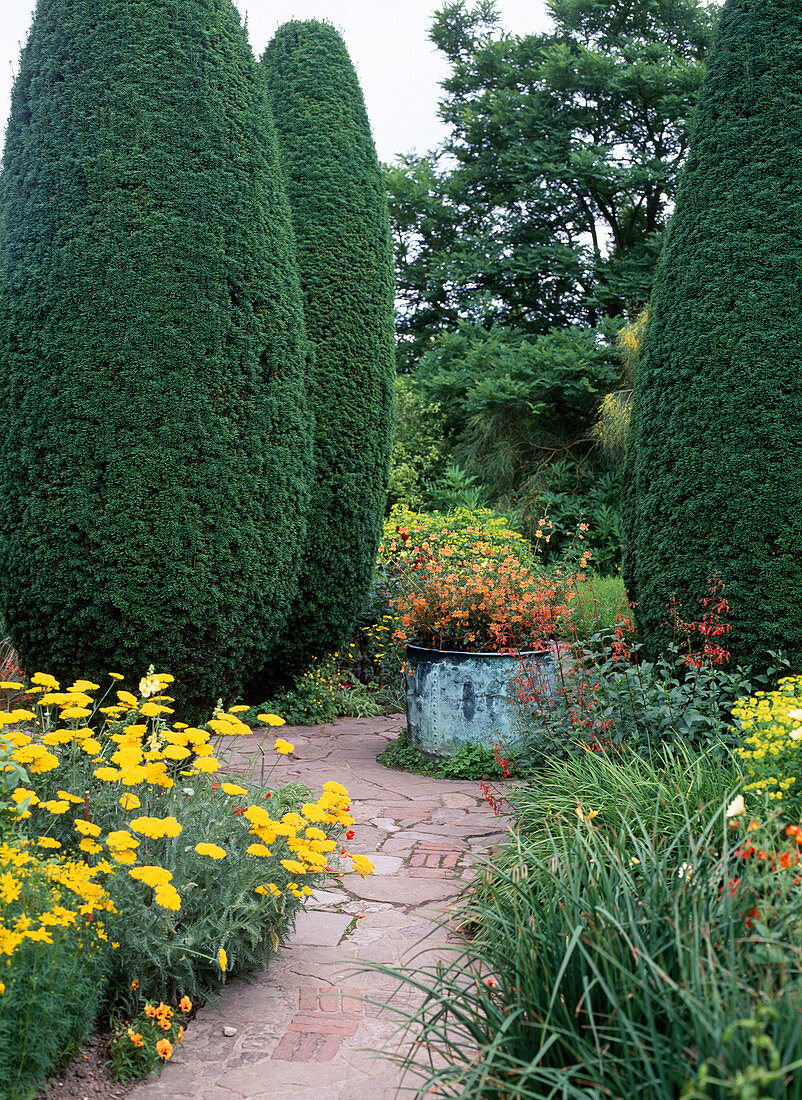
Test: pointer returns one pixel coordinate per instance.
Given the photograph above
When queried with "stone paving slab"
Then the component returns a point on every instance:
(314, 1025)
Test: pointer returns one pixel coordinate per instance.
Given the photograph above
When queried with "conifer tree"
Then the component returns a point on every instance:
(341, 227)
(156, 442)
(714, 466)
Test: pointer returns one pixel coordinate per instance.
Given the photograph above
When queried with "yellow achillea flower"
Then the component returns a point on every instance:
(208, 764)
(116, 675)
(48, 842)
(176, 752)
(269, 890)
(130, 801)
(294, 867)
(238, 709)
(120, 838)
(152, 876)
(127, 698)
(20, 794)
(156, 827)
(233, 789)
(152, 710)
(259, 850)
(75, 712)
(166, 896)
(87, 828)
(222, 959)
(213, 851)
(258, 816)
(271, 719)
(9, 684)
(84, 685)
(55, 806)
(107, 775)
(58, 737)
(283, 747)
(69, 797)
(44, 679)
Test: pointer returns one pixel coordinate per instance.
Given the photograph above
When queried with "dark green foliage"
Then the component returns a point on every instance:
(713, 470)
(342, 232)
(518, 416)
(153, 480)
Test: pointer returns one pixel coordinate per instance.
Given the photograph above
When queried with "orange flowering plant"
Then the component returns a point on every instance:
(474, 596)
(146, 1042)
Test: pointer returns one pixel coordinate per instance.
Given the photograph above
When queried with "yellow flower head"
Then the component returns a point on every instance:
(130, 801)
(362, 865)
(44, 679)
(213, 851)
(233, 789)
(222, 959)
(283, 747)
(271, 719)
(152, 876)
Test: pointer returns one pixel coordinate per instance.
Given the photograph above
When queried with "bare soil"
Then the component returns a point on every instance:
(87, 1076)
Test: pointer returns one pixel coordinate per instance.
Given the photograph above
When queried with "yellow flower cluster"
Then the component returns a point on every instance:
(146, 759)
(772, 744)
(33, 894)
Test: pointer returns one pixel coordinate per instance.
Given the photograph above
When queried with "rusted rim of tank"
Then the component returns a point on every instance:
(470, 654)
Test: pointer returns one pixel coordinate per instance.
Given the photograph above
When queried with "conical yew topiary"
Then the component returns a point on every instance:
(156, 441)
(344, 258)
(714, 466)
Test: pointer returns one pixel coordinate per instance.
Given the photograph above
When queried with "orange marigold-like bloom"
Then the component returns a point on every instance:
(150, 1012)
(164, 1049)
(185, 1005)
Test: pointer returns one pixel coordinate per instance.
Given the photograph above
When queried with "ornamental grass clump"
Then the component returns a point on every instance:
(607, 961)
(201, 866)
(56, 918)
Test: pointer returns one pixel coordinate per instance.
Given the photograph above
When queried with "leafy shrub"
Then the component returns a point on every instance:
(608, 695)
(178, 462)
(471, 762)
(54, 947)
(771, 744)
(608, 962)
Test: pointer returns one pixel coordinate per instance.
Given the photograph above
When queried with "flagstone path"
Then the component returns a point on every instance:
(307, 1029)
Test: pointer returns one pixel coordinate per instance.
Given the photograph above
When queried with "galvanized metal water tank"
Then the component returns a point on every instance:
(457, 699)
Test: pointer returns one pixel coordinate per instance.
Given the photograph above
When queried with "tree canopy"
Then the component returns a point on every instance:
(546, 205)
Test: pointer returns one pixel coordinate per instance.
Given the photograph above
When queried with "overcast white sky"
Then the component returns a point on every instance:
(399, 68)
